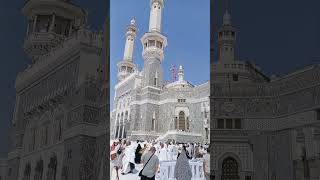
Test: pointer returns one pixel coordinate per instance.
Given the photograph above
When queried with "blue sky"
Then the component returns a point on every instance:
(186, 23)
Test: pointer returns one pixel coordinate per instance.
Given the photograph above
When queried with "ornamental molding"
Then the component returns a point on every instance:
(154, 53)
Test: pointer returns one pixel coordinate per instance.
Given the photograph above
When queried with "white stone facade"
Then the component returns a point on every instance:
(59, 124)
(148, 107)
(263, 129)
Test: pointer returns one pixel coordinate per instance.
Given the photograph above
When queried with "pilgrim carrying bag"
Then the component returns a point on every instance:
(140, 173)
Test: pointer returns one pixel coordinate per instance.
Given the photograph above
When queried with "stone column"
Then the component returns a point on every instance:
(70, 28)
(185, 124)
(35, 22)
(118, 131)
(52, 22)
(28, 27)
(178, 128)
(122, 133)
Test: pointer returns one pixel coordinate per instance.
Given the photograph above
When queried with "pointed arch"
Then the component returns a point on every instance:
(52, 167)
(229, 166)
(59, 130)
(38, 170)
(27, 172)
(182, 121)
(230, 169)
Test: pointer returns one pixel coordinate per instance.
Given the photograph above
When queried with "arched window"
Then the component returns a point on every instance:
(39, 170)
(155, 83)
(151, 43)
(153, 121)
(230, 169)
(187, 123)
(27, 172)
(207, 133)
(52, 168)
(65, 173)
(33, 139)
(59, 130)
(46, 135)
(152, 124)
(182, 121)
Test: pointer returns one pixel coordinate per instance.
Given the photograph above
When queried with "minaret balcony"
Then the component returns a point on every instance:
(153, 52)
(40, 43)
(122, 74)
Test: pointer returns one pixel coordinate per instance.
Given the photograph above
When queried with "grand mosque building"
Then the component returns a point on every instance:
(146, 106)
(59, 129)
(262, 128)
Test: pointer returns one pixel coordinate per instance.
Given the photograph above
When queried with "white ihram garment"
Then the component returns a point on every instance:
(163, 155)
(129, 154)
(170, 152)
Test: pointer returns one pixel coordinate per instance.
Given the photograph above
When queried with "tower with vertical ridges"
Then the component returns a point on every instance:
(153, 47)
(126, 66)
(227, 39)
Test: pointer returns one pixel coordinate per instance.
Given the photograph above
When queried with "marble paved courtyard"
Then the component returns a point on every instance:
(131, 176)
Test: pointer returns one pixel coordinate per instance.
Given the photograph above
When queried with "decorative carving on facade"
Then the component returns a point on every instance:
(88, 150)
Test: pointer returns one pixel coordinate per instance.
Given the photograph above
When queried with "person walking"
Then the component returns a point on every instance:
(115, 158)
(206, 164)
(182, 169)
(138, 155)
(128, 159)
(183, 148)
(150, 165)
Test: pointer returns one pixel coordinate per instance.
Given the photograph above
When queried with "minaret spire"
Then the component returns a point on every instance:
(130, 39)
(155, 15)
(227, 37)
(153, 47)
(126, 65)
(227, 18)
(181, 73)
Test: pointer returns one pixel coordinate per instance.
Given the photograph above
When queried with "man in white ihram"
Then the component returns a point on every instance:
(170, 152)
(128, 159)
(163, 154)
(174, 152)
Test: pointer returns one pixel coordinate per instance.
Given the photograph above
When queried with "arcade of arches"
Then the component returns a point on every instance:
(38, 169)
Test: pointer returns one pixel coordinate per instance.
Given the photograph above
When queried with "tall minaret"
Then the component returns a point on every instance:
(155, 16)
(126, 66)
(227, 39)
(48, 24)
(181, 73)
(153, 45)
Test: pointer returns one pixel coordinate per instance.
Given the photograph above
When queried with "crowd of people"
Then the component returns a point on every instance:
(125, 155)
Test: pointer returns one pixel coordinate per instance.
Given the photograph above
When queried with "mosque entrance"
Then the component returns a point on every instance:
(182, 121)
(230, 169)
